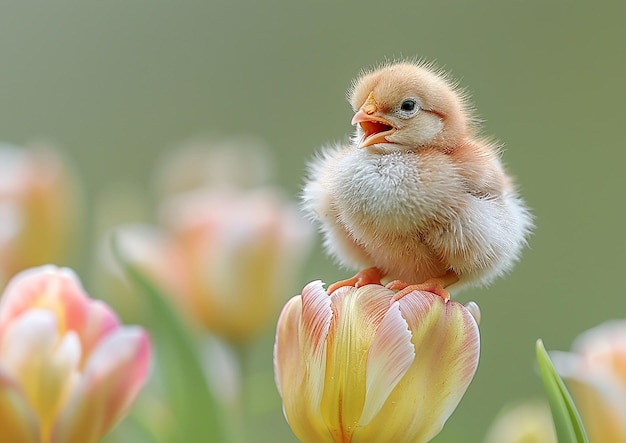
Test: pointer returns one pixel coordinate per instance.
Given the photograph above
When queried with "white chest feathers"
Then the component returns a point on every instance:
(389, 193)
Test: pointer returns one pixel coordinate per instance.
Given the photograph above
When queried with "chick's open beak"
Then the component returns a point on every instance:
(375, 128)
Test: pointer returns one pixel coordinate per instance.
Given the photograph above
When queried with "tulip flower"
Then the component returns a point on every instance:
(68, 370)
(595, 371)
(529, 422)
(226, 256)
(38, 209)
(362, 366)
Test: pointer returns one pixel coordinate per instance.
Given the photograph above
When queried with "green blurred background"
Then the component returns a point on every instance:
(115, 83)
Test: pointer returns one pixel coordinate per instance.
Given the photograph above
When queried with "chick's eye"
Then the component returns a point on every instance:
(408, 105)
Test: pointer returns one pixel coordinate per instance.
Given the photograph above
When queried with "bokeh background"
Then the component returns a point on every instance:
(115, 84)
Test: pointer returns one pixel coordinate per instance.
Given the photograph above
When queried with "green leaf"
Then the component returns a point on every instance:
(567, 422)
(198, 417)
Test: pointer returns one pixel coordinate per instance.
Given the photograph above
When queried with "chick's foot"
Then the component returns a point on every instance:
(369, 276)
(434, 285)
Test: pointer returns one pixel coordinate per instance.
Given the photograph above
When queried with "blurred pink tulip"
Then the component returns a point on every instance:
(228, 257)
(38, 209)
(68, 370)
(595, 371)
(361, 366)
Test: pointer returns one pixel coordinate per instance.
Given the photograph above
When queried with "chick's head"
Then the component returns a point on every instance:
(405, 106)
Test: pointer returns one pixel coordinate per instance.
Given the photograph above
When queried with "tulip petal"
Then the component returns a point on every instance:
(100, 321)
(300, 361)
(390, 357)
(47, 287)
(316, 319)
(41, 287)
(17, 421)
(248, 247)
(26, 341)
(287, 344)
(446, 341)
(358, 314)
(44, 364)
(113, 375)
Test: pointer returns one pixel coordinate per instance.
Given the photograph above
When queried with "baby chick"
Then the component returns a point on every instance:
(415, 196)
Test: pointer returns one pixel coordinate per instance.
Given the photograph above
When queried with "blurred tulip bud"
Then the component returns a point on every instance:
(227, 256)
(68, 370)
(38, 209)
(241, 251)
(361, 366)
(595, 371)
(529, 422)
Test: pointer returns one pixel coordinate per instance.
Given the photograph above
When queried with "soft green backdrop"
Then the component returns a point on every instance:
(116, 82)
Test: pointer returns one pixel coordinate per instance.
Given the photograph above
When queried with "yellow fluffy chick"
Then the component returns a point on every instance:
(415, 196)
